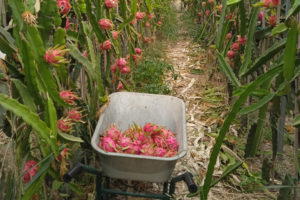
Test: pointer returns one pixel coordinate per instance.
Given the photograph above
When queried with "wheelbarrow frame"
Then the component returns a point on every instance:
(103, 183)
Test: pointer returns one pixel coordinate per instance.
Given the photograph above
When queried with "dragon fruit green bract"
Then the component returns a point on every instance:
(150, 140)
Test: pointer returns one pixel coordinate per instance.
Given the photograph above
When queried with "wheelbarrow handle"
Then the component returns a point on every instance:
(72, 172)
(188, 179)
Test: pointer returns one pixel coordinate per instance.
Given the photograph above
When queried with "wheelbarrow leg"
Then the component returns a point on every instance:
(99, 195)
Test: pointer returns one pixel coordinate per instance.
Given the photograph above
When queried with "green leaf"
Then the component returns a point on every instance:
(36, 182)
(133, 11)
(28, 64)
(75, 188)
(30, 118)
(101, 37)
(77, 55)
(148, 4)
(255, 106)
(49, 17)
(296, 120)
(290, 53)
(232, 2)
(243, 19)
(70, 137)
(280, 28)
(30, 5)
(56, 184)
(266, 56)
(50, 115)
(43, 68)
(5, 47)
(227, 171)
(221, 29)
(60, 40)
(25, 94)
(59, 37)
(250, 38)
(17, 7)
(229, 119)
(294, 10)
(264, 33)
(225, 67)
(11, 41)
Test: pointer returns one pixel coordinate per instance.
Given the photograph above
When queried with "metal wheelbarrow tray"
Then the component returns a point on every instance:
(126, 108)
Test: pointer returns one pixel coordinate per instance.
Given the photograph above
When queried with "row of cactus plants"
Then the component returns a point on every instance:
(256, 45)
(63, 57)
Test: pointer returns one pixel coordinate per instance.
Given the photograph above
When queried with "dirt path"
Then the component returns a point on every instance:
(204, 92)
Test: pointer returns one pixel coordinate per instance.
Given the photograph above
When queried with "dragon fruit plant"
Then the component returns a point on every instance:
(150, 140)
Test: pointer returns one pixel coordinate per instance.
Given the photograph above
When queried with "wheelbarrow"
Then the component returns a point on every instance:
(127, 108)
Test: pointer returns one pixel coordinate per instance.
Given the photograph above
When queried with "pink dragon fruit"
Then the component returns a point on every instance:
(115, 34)
(138, 50)
(148, 128)
(147, 24)
(228, 36)
(159, 23)
(235, 46)
(68, 96)
(29, 173)
(134, 148)
(272, 20)
(124, 142)
(203, 4)
(113, 133)
(151, 140)
(197, 20)
(133, 21)
(170, 153)
(219, 8)
(269, 3)
(54, 56)
(207, 12)
(106, 45)
(74, 115)
(63, 6)
(108, 144)
(241, 40)
(62, 154)
(125, 70)
(64, 125)
(140, 135)
(113, 68)
(67, 24)
(260, 16)
(85, 54)
(121, 62)
(151, 16)
(172, 143)
(147, 150)
(105, 24)
(231, 54)
(111, 4)
(166, 133)
(160, 152)
(120, 86)
(139, 15)
(211, 2)
(159, 141)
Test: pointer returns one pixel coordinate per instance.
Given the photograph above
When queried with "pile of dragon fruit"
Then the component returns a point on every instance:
(150, 140)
